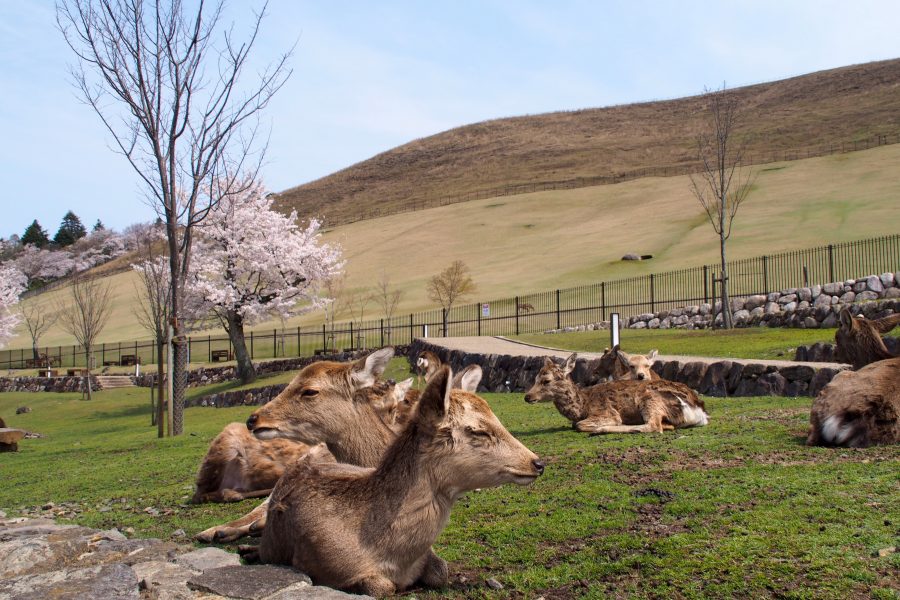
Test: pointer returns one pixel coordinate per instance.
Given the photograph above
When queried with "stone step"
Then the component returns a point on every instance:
(108, 382)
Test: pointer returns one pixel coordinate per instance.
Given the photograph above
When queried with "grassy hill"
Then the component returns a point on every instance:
(544, 240)
(810, 112)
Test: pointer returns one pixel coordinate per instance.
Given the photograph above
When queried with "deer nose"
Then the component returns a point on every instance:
(528, 399)
(251, 421)
(539, 466)
(642, 377)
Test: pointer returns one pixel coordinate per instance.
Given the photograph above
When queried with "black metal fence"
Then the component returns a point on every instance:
(528, 313)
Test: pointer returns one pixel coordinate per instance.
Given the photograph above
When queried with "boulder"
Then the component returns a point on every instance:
(208, 558)
(787, 298)
(715, 380)
(820, 380)
(891, 293)
(866, 295)
(810, 323)
(847, 297)
(102, 582)
(789, 307)
(804, 294)
(772, 308)
(252, 582)
(741, 317)
(859, 286)
(815, 290)
(653, 323)
(631, 256)
(873, 283)
(798, 373)
(692, 374)
(832, 289)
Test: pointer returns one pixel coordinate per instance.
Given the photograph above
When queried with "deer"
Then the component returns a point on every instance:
(858, 339)
(617, 406)
(397, 416)
(370, 530)
(427, 365)
(616, 365)
(858, 409)
(238, 466)
(525, 307)
(341, 413)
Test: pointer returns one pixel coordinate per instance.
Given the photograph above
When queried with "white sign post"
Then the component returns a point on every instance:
(613, 330)
(485, 310)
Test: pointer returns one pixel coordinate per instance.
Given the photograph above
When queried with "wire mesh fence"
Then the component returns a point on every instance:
(527, 313)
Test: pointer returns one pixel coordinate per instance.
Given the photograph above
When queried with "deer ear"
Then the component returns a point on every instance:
(617, 348)
(548, 362)
(435, 401)
(570, 364)
(404, 386)
(652, 354)
(846, 318)
(369, 368)
(622, 358)
(468, 379)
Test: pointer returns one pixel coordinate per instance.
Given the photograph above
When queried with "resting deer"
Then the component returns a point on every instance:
(616, 365)
(341, 414)
(371, 529)
(239, 466)
(467, 379)
(859, 340)
(858, 408)
(617, 406)
(427, 365)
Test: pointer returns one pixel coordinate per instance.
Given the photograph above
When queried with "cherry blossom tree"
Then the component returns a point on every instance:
(12, 283)
(253, 263)
(42, 266)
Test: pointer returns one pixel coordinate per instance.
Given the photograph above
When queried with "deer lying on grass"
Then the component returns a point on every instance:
(398, 415)
(858, 408)
(371, 530)
(341, 413)
(617, 406)
(616, 365)
(427, 365)
(859, 340)
(239, 466)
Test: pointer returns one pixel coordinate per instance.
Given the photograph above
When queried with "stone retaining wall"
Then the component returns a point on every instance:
(504, 373)
(45, 384)
(822, 352)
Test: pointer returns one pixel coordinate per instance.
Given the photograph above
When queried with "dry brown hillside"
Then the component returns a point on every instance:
(806, 114)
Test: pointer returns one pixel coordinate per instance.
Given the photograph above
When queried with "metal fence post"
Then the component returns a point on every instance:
(324, 340)
(705, 284)
(765, 261)
(382, 333)
(251, 345)
(558, 326)
(602, 301)
(652, 295)
(478, 317)
(410, 328)
(517, 315)
(830, 263)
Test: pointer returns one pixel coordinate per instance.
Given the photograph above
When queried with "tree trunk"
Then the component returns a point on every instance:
(87, 369)
(235, 328)
(179, 350)
(160, 392)
(727, 322)
(446, 316)
(34, 351)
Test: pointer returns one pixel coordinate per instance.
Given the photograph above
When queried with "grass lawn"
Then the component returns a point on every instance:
(740, 508)
(752, 342)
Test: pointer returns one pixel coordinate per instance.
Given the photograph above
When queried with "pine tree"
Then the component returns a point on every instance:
(70, 230)
(35, 235)
(99, 226)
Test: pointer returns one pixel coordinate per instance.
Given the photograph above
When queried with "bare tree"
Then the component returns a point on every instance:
(722, 185)
(86, 316)
(450, 286)
(152, 312)
(335, 290)
(167, 84)
(38, 320)
(357, 302)
(387, 298)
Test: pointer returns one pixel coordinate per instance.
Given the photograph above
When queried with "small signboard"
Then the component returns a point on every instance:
(485, 310)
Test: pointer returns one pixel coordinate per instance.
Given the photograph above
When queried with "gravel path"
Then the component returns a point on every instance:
(502, 345)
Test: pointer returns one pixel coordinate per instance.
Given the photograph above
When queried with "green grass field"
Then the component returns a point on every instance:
(547, 240)
(741, 508)
(752, 342)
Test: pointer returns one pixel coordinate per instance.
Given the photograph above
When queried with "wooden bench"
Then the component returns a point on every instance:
(220, 355)
(321, 351)
(9, 439)
(128, 360)
(76, 372)
(110, 363)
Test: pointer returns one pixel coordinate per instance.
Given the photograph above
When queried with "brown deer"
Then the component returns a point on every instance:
(858, 408)
(330, 404)
(347, 421)
(525, 307)
(427, 365)
(617, 406)
(467, 380)
(616, 365)
(859, 340)
(371, 529)
(239, 466)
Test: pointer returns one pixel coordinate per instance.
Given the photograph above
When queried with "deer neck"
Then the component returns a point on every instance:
(412, 494)
(362, 440)
(571, 402)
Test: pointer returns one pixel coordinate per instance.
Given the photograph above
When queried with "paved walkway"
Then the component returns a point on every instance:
(502, 345)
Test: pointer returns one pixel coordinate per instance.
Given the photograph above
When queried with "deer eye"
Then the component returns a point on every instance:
(308, 393)
(480, 433)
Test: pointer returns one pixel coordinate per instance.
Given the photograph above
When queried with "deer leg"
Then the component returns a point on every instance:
(435, 572)
(249, 553)
(376, 586)
(250, 523)
(236, 496)
(602, 429)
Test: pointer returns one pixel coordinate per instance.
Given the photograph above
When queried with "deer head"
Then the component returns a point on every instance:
(552, 381)
(635, 366)
(319, 403)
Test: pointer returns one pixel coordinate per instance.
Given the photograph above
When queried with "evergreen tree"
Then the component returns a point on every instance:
(99, 226)
(36, 235)
(70, 230)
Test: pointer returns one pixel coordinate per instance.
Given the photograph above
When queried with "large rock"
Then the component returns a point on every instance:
(164, 580)
(887, 280)
(798, 372)
(252, 582)
(715, 380)
(822, 378)
(833, 289)
(741, 317)
(866, 295)
(208, 558)
(873, 283)
(692, 374)
(107, 582)
(805, 294)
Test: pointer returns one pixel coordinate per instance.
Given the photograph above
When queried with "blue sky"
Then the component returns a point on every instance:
(369, 76)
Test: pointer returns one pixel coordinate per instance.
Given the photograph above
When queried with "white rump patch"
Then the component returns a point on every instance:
(694, 416)
(834, 431)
